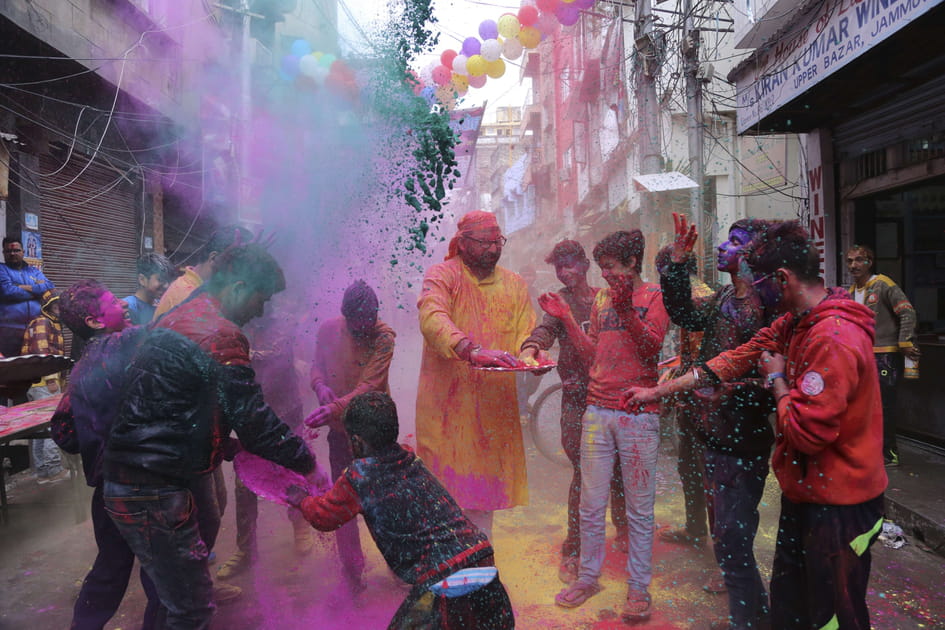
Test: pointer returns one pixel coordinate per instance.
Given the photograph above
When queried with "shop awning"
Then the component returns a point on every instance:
(660, 182)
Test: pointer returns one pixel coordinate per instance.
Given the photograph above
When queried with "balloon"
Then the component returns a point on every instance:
(300, 48)
(567, 1)
(459, 64)
(321, 73)
(495, 69)
(508, 25)
(327, 59)
(290, 66)
(584, 4)
(446, 96)
(547, 25)
(477, 82)
(471, 46)
(413, 80)
(567, 14)
(476, 65)
(441, 75)
(308, 65)
(530, 37)
(447, 57)
(512, 47)
(426, 73)
(528, 15)
(460, 83)
(428, 93)
(491, 49)
(547, 6)
(488, 29)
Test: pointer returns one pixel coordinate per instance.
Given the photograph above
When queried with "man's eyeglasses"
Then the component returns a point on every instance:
(501, 241)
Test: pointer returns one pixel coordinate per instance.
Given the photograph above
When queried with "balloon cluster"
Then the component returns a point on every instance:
(481, 57)
(317, 69)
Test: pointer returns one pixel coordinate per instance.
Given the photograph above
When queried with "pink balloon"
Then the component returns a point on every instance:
(547, 6)
(527, 15)
(477, 82)
(447, 57)
(442, 75)
(567, 14)
(547, 23)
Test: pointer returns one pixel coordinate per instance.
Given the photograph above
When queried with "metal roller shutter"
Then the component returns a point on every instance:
(90, 226)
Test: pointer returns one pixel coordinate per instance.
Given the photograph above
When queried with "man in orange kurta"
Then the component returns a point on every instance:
(473, 313)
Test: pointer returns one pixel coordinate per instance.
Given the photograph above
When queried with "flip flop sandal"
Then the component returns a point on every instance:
(637, 607)
(576, 594)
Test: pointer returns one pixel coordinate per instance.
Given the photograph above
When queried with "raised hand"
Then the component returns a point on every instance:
(685, 240)
(554, 305)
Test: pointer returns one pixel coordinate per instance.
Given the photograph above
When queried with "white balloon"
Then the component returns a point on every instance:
(426, 73)
(308, 65)
(459, 65)
(491, 50)
(512, 48)
(321, 73)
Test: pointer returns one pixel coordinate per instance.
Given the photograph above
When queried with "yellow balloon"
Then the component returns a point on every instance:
(476, 65)
(495, 69)
(567, 1)
(508, 25)
(530, 37)
(460, 83)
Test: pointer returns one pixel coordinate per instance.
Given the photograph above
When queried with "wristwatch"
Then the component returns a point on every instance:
(771, 378)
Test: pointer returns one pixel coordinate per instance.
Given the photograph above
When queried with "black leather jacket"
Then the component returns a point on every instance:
(178, 407)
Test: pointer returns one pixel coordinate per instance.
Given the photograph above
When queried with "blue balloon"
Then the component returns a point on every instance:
(429, 94)
(300, 48)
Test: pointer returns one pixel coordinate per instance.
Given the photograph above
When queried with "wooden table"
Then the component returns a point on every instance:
(29, 421)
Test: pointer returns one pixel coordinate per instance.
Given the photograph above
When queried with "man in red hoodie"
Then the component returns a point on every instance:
(817, 360)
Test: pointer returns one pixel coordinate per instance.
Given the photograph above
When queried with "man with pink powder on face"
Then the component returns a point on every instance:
(81, 424)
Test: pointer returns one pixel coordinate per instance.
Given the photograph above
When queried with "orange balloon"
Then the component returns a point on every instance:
(530, 37)
(495, 69)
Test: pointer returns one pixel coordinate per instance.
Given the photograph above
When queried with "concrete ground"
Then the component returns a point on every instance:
(46, 547)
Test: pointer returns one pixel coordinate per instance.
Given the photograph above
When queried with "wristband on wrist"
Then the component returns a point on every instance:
(771, 378)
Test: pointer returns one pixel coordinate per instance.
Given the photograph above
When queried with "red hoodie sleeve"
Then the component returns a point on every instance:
(334, 508)
(825, 378)
(733, 363)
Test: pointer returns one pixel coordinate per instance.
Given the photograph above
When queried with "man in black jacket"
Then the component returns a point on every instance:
(187, 386)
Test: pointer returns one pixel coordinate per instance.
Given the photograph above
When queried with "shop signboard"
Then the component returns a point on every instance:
(823, 41)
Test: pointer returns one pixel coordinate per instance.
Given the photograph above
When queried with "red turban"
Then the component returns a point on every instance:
(475, 220)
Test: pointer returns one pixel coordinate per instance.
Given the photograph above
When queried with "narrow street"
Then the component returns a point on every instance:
(44, 555)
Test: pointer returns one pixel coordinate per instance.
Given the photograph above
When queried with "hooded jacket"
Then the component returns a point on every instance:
(829, 433)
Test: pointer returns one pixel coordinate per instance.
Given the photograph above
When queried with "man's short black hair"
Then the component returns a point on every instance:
(566, 250)
(11, 239)
(786, 244)
(372, 416)
(622, 246)
(79, 302)
(152, 263)
(221, 239)
(251, 264)
(359, 300)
